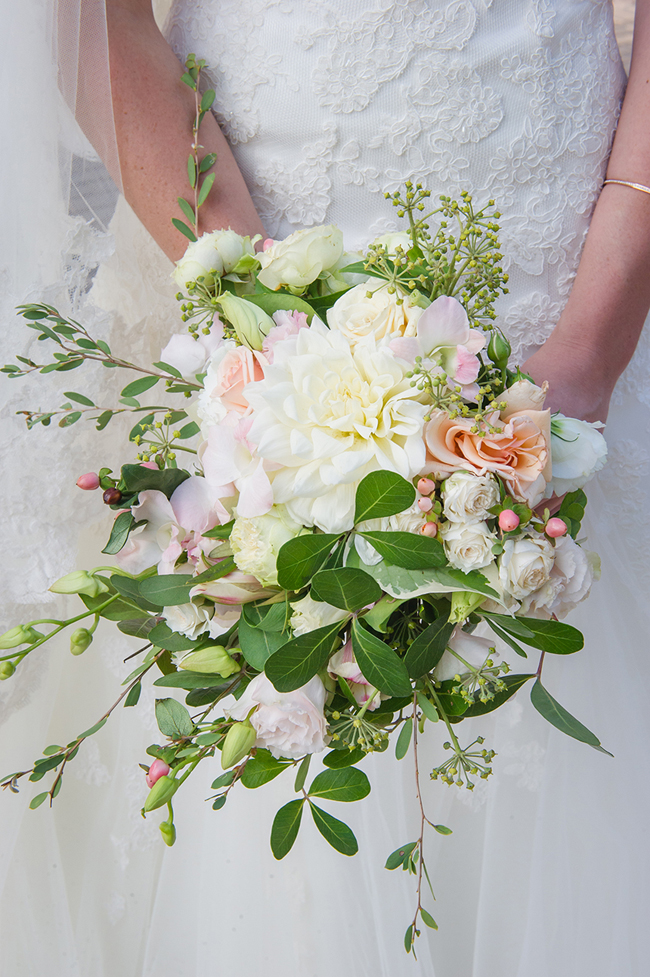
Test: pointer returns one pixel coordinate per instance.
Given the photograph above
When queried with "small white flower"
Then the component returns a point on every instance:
(309, 614)
(578, 451)
(468, 545)
(469, 497)
(256, 542)
(525, 565)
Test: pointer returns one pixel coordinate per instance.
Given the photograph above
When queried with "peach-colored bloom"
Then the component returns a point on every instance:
(518, 450)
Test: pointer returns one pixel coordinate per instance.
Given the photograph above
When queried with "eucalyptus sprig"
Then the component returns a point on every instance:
(197, 168)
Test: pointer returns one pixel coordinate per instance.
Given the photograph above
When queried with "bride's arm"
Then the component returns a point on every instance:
(599, 328)
(153, 114)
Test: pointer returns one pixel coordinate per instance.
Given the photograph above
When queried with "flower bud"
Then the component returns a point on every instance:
(18, 636)
(429, 529)
(88, 482)
(212, 660)
(80, 640)
(426, 486)
(157, 770)
(112, 496)
(249, 321)
(499, 350)
(239, 741)
(161, 792)
(168, 832)
(508, 520)
(425, 505)
(463, 602)
(79, 582)
(555, 527)
(7, 669)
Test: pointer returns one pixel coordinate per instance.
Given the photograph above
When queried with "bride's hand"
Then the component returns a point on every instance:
(578, 382)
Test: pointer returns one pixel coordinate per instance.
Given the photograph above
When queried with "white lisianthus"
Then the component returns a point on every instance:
(309, 614)
(327, 416)
(377, 319)
(578, 451)
(468, 545)
(569, 582)
(256, 542)
(215, 253)
(469, 497)
(189, 619)
(409, 521)
(189, 354)
(525, 565)
(298, 260)
(289, 724)
(472, 648)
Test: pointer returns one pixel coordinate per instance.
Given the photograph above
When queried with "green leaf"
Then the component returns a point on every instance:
(139, 386)
(409, 550)
(408, 939)
(262, 768)
(206, 187)
(119, 533)
(271, 302)
(514, 625)
(301, 776)
(133, 696)
(558, 716)
(202, 697)
(402, 584)
(93, 729)
(513, 684)
(268, 617)
(41, 767)
(184, 229)
(163, 637)
(69, 419)
(428, 708)
(554, 637)
(380, 665)
(184, 679)
(187, 209)
(285, 828)
(342, 758)
(428, 648)
(428, 920)
(103, 420)
(130, 588)
(345, 587)
(220, 532)
(397, 858)
(208, 160)
(207, 99)
(173, 719)
(404, 739)
(191, 170)
(137, 627)
(345, 784)
(187, 79)
(442, 829)
(335, 832)
(257, 645)
(508, 640)
(225, 780)
(37, 801)
(301, 658)
(219, 802)
(166, 368)
(79, 398)
(168, 589)
(220, 569)
(572, 511)
(382, 494)
(189, 430)
(137, 478)
(379, 615)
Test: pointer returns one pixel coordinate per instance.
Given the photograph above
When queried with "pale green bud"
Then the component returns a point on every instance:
(213, 660)
(7, 669)
(161, 792)
(21, 635)
(79, 582)
(80, 640)
(250, 323)
(499, 350)
(239, 741)
(168, 832)
(463, 602)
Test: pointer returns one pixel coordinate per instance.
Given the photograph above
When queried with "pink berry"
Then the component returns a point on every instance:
(148, 464)
(555, 527)
(425, 505)
(429, 529)
(157, 770)
(508, 520)
(88, 482)
(426, 486)
(268, 244)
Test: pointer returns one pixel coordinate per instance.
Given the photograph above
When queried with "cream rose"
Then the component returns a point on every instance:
(298, 260)
(569, 582)
(468, 545)
(525, 565)
(289, 724)
(377, 319)
(468, 497)
(309, 614)
(523, 395)
(230, 369)
(256, 543)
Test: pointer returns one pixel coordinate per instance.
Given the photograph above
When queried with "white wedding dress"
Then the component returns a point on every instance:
(328, 103)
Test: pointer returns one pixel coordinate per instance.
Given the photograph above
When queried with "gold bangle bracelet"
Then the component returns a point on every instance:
(626, 183)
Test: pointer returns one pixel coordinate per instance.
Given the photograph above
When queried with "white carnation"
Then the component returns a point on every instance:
(578, 451)
(569, 582)
(468, 497)
(525, 565)
(256, 542)
(309, 614)
(375, 319)
(468, 545)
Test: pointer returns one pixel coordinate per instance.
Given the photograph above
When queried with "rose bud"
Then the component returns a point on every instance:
(426, 486)
(555, 527)
(88, 482)
(7, 669)
(508, 520)
(112, 496)
(161, 792)
(157, 770)
(239, 741)
(425, 505)
(429, 529)
(168, 832)
(80, 640)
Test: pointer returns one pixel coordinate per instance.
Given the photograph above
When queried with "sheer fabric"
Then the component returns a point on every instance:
(327, 103)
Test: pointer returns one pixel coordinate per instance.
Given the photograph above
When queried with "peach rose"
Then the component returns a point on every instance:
(230, 369)
(518, 451)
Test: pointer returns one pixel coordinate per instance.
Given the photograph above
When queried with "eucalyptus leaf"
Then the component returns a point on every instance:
(137, 478)
(402, 584)
(139, 386)
(268, 617)
(79, 398)
(119, 533)
(257, 645)
(271, 302)
(404, 739)
(184, 679)
(513, 684)
(163, 637)
(184, 229)
(382, 494)
(558, 716)
(168, 589)
(397, 858)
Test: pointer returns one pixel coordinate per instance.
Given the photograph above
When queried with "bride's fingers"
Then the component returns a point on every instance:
(553, 505)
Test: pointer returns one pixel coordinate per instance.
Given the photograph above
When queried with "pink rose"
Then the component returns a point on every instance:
(286, 324)
(231, 369)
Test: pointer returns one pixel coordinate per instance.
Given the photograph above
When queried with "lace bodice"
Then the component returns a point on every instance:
(328, 103)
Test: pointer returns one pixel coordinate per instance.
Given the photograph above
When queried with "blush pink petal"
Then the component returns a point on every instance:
(467, 366)
(444, 323)
(407, 348)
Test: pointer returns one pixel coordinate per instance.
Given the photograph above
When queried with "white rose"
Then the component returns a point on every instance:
(301, 258)
(409, 521)
(523, 395)
(570, 580)
(468, 497)
(256, 542)
(217, 252)
(468, 545)
(473, 649)
(362, 319)
(289, 724)
(190, 619)
(189, 354)
(578, 451)
(309, 614)
(525, 565)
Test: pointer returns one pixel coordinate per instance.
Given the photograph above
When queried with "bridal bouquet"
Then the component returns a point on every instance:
(362, 524)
